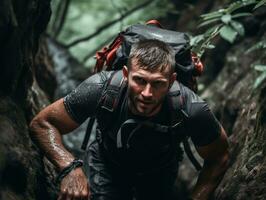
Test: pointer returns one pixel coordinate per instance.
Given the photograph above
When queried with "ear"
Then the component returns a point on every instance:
(125, 72)
(172, 79)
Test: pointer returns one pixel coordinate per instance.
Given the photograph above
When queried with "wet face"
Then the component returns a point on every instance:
(147, 89)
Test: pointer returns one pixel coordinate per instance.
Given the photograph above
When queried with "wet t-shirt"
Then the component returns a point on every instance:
(142, 146)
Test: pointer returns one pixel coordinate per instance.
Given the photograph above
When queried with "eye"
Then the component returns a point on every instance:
(158, 84)
(139, 80)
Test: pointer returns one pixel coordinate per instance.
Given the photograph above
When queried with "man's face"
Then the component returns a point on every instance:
(147, 89)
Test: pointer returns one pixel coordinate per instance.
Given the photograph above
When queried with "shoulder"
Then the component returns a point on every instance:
(193, 104)
(202, 125)
(82, 102)
(90, 87)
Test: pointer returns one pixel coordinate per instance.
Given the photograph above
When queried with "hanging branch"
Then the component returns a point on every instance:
(57, 16)
(100, 29)
(60, 16)
(92, 53)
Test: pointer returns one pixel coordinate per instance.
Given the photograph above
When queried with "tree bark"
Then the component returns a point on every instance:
(22, 171)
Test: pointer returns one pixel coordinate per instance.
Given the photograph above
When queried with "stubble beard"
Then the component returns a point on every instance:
(134, 100)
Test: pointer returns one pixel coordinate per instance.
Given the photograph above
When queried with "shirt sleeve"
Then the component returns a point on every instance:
(202, 125)
(82, 102)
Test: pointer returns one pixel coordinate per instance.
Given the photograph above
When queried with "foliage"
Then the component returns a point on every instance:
(259, 4)
(203, 41)
(224, 23)
(262, 77)
(259, 45)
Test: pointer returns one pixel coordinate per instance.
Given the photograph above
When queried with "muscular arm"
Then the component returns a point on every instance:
(211, 143)
(62, 117)
(46, 130)
(65, 115)
(215, 157)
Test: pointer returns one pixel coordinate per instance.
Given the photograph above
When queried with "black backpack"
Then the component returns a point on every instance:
(115, 57)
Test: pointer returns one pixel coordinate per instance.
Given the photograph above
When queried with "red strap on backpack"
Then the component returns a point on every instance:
(198, 70)
(107, 54)
(154, 22)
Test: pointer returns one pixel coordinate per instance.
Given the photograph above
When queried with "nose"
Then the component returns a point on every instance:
(147, 91)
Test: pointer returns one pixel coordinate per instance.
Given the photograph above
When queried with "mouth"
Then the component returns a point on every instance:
(145, 102)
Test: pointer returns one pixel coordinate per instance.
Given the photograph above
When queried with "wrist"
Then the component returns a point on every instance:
(64, 161)
(62, 165)
(76, 163)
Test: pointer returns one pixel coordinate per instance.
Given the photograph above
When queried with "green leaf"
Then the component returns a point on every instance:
(258, 45)
(195, 40)
(259, 80)
(261, 3)
(261, 68)
(228, 33)
(234, 6)
(239, 4)
(238, 27)
(212, 15)
(226, 18)
(209, 46)
(241, 15)
(213, 30)
(208, 22)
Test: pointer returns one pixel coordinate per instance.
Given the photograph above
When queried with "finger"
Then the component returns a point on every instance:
(85, 196)
(81, 197)
(76, 196)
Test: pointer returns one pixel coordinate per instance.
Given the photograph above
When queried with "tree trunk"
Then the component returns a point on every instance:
(23, 174)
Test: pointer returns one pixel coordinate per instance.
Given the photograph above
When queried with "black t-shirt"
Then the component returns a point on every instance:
(146, 147)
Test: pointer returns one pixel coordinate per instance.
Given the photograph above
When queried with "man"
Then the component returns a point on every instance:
(132, 156)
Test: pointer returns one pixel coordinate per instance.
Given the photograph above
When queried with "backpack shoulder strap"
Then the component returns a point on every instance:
(176, 102)
(178, 115)
(107, 104)
(111, 99)
(113, 92)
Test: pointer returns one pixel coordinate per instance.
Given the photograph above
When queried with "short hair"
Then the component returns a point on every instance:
(152, 54)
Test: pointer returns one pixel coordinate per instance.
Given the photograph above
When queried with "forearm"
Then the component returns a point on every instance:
(209, 178)
(49, 140)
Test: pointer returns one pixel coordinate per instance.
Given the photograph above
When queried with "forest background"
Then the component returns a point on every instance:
(47, 49)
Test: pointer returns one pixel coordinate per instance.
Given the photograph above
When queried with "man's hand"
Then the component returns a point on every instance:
(47, 129)
(74, 186)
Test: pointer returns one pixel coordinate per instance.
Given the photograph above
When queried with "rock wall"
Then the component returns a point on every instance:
(22, 174)
(229, 88)
(241, 109)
